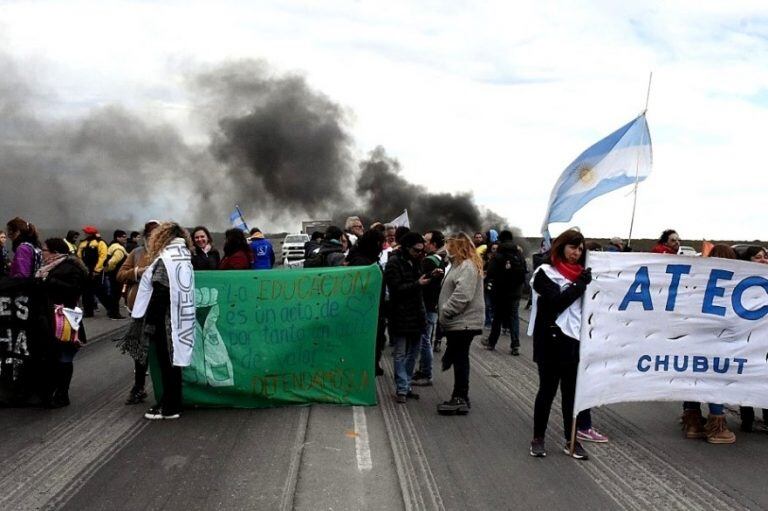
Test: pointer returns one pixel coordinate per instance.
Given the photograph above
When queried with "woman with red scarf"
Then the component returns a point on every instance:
(669, 243)
(556, 319)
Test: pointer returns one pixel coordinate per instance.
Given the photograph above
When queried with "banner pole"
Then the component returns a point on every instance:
(637, 168)
(573, 435)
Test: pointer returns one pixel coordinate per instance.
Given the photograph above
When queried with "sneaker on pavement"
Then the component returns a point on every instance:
(136, 397)
(400, 398)
(515, 352)
(154, 413)
(456, 406)
(422, 382)
(412, 395)
(485, 342)
(418, 375)
(591, 435)
(578, 452)
(171, 416)
(537, 448)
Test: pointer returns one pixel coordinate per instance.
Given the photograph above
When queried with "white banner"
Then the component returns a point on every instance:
(402, 220)
(660, 327)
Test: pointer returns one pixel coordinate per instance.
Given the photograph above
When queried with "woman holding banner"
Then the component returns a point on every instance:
(754, 254)
(558, 286)
(165, 302)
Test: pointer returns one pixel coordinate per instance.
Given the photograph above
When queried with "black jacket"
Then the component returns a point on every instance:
(203, 261)
(407, 314)
(65, 283)
(506, 273)
(550, 344)
(432, 290)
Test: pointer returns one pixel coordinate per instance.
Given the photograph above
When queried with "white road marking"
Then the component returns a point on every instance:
(362, 447)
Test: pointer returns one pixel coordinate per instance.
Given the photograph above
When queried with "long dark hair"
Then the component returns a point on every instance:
(235, 242)
(371, 243)
(665, 235)
(206, 231)
(569, 237)
(750, 252)
(27, 232)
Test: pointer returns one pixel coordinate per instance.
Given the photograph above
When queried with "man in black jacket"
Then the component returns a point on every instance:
(506, 274)
(406, 309)
(432, 266)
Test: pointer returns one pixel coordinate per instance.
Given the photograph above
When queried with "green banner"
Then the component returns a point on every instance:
(277, 337)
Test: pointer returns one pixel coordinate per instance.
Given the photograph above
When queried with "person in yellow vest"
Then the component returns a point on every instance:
(93, 252)
(71, 241)
(116, 256)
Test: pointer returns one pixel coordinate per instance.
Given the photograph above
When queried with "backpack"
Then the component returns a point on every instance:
(513, 269)
(37, 262)
(90, 254)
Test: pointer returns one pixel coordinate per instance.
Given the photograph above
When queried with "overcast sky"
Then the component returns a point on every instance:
(496, 98)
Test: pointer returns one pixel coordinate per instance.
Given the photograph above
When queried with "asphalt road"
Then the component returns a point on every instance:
(101, 454)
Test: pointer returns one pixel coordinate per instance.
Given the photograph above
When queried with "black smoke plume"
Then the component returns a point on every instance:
(278, 148)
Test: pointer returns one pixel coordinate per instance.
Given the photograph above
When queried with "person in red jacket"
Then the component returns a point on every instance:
(669, 243)
(237, 253)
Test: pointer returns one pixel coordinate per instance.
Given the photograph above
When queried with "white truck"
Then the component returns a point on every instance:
(293, 247)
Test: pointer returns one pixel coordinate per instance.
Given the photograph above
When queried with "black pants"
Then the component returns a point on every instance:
(139, 376)
(552, 375)
(457, 354)
(381, 338)
(170, 401)
(97, 287)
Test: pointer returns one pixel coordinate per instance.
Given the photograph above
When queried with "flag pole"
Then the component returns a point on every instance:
(241, 216)
(637, 168)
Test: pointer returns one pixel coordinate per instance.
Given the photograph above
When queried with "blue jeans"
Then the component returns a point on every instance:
(406, 351)
(425, 348)
(714, 409)
(488, 307)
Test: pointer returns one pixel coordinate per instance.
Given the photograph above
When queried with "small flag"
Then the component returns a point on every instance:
(236, 219)
(618, 160)
(402, 220)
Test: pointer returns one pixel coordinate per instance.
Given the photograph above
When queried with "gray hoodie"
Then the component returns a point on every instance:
(461, 305)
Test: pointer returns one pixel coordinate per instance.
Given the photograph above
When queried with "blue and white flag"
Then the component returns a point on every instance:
(620, 159)
(236, 219)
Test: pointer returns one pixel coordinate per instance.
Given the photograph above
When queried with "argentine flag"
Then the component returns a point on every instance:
(618, 160)
(236, 219)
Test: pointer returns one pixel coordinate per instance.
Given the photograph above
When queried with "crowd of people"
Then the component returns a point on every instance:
(436, 288)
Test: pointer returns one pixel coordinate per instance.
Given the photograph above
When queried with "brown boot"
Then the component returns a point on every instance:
(717, 430)
(693, 424)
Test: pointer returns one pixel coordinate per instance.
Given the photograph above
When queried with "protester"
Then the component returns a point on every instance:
(5, 262)
(331, 251)
(432, 266)
(92, 251)
(669, 243)
(406, 309)
(133, 241)
(353, 227)
(460, 307)
(615, 245)
(27, 256)
(365, 253)
(537, 260)
(237, 252)
(261, 248)
(504, 280)
(71, 240)
(205, 256)
(165, 286)
(716, 428)
(390, 231)
(62, 279)
(754, 254)
(556, 318)
(313, 244)
(116, 256)
(130, 274)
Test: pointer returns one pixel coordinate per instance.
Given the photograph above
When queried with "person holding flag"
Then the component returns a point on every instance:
(558, 286)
